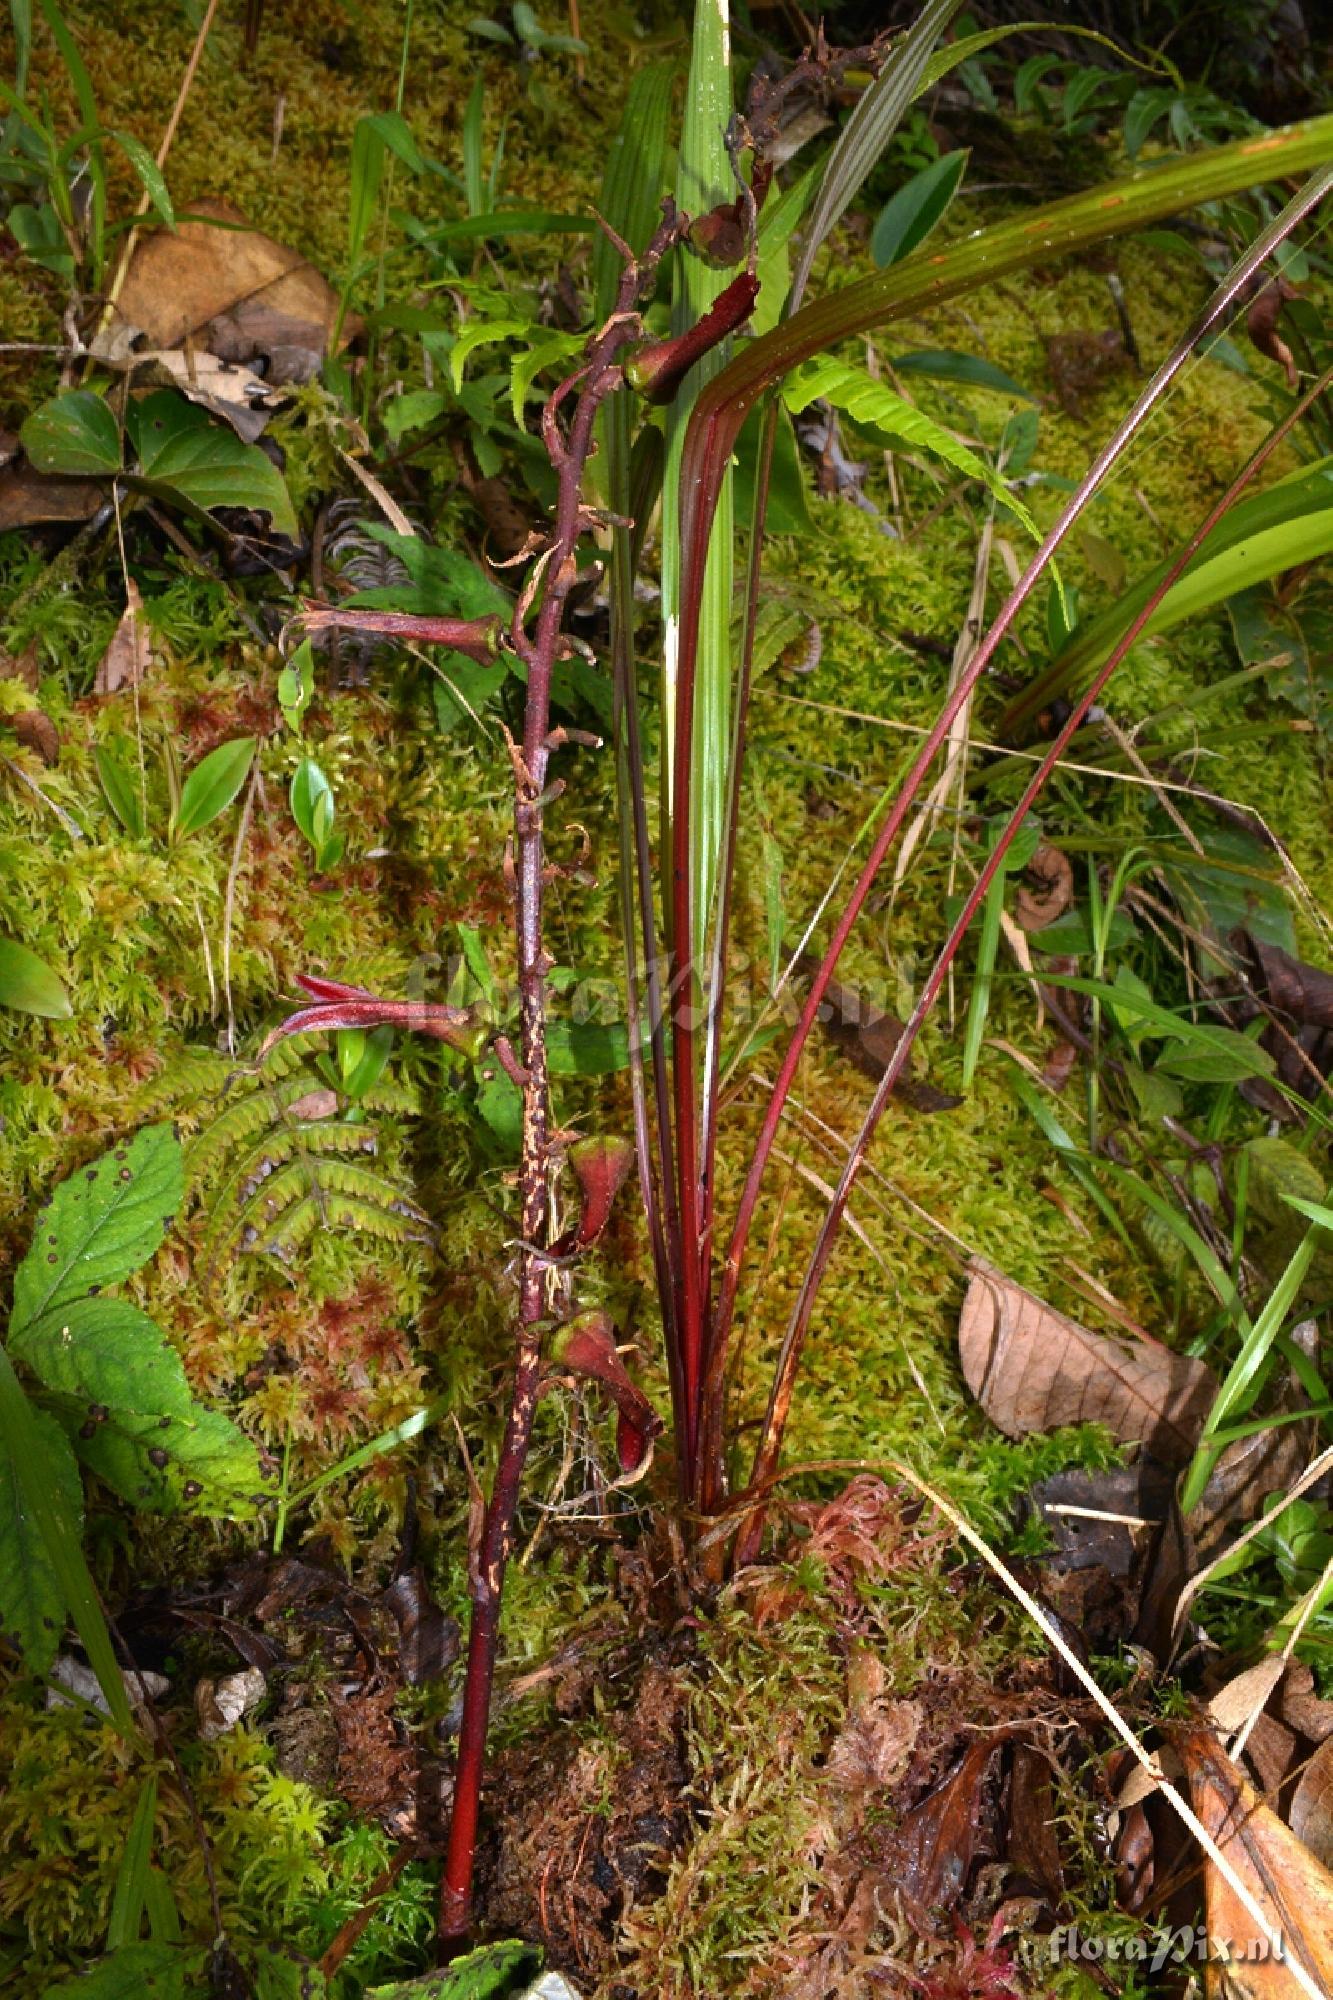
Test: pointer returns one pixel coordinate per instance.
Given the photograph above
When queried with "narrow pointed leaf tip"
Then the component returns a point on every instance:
(338, 1006)
(586, 1347)
(478, 638)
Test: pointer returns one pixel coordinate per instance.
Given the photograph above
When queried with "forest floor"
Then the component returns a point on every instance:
(737, 1793)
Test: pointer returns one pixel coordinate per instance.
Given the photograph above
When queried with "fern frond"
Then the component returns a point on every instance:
(355, 1199)
(244, 1120)
(296, 1144)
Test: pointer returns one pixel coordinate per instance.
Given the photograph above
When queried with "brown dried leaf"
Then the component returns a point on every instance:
(941, 1840)
(428, 1637)
(1033, 1848)
(36, 731)
(129, 656)
(179, 281)
(1031, 1369)
(1290, 1885)
(1300, 1706)
(25, 666)
(1311, 1814)
(28, 498)
(1047, 889)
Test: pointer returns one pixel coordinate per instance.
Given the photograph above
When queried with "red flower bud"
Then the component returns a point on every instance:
(586, 1346)
(658, 368)
(601, 1167)
(337, 1006)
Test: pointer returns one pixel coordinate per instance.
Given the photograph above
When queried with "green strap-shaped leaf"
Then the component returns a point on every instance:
(107, 1354)
(184, 455)
(866, 401)
(101, 1224)
(130, 1896)
(1279, 529)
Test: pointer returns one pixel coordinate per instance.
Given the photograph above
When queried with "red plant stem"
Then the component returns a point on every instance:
(479, 638)
(557, 570)
(1217, 306)
(636, 900)
(770, 1445)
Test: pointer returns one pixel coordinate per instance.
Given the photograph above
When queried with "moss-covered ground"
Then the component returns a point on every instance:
(178, 956)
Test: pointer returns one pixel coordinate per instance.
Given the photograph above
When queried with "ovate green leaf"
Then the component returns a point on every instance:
(105, 1353)
(28, 985)
(99, 1225)
(74, 434)
(184, 455)
(214, 783)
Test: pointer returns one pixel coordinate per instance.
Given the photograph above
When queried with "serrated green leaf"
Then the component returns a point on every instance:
(184, 455)
(99, 1225)
(138, 1972)
(105, 1352)
(50, 1502)
(148, 1460)
(32, 1603)
(873, 403)
(527, 366)
(491, 1973)
(75, 435)
(481, 333)
(213, 784)
(28, 985)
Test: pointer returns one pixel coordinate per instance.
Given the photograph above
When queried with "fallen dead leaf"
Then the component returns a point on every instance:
(1299, 1705)
(1311, 1814)
(36, 731)
(30, 499)
(128, 657)
(235, 394)
(1232, 1705)
(1288, 1882)
(25, 666)
(218, 266)
(1047, 889)
(941, 1840)
(1031, 1369)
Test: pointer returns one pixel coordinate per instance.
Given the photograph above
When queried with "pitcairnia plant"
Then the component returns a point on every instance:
(677, 927)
